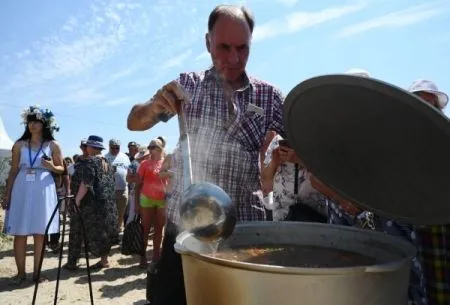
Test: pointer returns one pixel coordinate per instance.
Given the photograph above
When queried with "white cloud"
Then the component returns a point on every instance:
(110, 45)
(121, 100)
(112, 15)
(288, 3)
(298, 21)
(176, 60)
(400, 18)
(202, 56)
(23, 54)
(58, 56)
(70, 24)
(77, 96)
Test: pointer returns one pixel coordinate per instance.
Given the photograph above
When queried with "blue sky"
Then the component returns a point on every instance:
(90, 61)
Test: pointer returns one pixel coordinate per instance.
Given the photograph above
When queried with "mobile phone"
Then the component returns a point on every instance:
(284, 143)
(45, 157)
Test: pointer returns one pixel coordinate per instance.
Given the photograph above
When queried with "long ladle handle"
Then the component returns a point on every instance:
(185, 149)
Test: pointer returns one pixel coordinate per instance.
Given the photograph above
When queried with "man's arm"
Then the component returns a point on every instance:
(161, 107)
(142, 117)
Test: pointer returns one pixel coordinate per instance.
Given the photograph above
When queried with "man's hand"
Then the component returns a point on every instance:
(321, 187)
(168, 98)
(166, 101)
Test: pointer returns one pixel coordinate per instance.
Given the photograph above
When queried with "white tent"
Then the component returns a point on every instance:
(5, 152)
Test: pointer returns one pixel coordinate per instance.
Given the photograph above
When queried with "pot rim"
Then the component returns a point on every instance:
(409, 252)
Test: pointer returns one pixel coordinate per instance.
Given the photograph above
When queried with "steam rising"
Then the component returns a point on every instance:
(213, 155)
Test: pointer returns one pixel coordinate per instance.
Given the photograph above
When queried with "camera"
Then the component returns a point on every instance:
(284, 143)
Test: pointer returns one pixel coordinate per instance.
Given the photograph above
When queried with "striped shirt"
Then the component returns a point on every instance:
(226, 136)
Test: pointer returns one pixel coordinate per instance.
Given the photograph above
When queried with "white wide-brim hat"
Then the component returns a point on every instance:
(358, 72)
(423, 85)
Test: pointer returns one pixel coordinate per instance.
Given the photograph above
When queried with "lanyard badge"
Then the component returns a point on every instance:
(31, 173)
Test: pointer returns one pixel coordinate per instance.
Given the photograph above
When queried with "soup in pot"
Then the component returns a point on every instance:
(295, 256)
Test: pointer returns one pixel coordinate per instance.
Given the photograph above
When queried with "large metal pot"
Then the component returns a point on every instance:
(214, 281)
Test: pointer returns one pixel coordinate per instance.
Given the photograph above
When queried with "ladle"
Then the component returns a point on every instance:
(206, 211)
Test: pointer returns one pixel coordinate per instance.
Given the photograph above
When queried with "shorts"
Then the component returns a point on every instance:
(151, 203)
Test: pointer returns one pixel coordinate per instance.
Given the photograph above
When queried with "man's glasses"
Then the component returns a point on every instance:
(115, 147)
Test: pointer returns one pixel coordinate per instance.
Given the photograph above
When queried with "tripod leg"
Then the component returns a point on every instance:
(43, 251)
(86, 252)
(61, 252)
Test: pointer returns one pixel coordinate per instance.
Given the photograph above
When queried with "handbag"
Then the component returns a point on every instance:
(300, 211)
(133, 238)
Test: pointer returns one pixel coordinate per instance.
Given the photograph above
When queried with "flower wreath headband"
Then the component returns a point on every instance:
(44, 115)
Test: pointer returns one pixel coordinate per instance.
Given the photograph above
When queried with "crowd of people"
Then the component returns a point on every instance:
(236, 132)
(104, 188)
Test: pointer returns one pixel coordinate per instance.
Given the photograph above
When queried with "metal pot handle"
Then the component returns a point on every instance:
(180, 249)
(178, 246)
(387, 267)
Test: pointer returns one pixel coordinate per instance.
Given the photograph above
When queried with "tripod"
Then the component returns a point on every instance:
(71, 201)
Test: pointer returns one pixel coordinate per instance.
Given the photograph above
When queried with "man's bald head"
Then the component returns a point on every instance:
(233, 11)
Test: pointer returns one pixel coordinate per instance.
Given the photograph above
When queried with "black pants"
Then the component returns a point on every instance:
(53, 239)
(167, 288)
(303, 212)
(269, 215)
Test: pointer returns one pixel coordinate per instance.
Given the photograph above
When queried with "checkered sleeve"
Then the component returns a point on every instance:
(272, 146)
(277, 113)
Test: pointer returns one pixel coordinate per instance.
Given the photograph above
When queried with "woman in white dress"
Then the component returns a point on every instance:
(31, 193)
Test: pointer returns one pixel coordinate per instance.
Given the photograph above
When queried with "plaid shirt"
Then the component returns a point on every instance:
(225, 139)
(434, 251)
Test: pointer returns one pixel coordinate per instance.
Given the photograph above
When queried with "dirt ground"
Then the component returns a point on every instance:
(122, 283)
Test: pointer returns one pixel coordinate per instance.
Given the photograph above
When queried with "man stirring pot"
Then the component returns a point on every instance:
(228, 114)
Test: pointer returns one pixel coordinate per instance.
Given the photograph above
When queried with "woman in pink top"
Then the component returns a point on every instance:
(151, 197)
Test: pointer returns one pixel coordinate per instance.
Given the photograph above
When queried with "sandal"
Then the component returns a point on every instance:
(98, 266)
(18, 280)
(143, 263)
(152, 267)
(55, 248)
(40, 279)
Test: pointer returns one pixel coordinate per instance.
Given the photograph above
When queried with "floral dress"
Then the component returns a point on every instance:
(98, 209)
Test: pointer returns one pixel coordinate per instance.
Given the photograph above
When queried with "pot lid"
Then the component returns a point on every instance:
(373, 143)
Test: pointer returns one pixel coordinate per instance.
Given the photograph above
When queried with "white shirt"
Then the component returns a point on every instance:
(120, 164)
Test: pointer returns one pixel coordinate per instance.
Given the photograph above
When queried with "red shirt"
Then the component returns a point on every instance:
(153, 186)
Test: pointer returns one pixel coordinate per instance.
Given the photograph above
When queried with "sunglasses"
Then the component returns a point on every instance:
(115, 147)
(151, 147)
